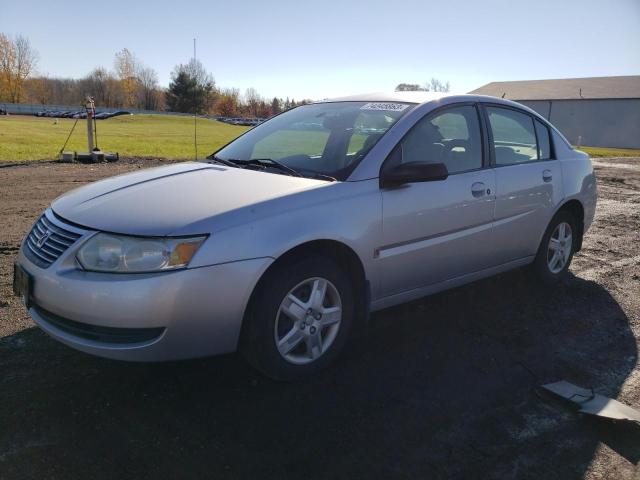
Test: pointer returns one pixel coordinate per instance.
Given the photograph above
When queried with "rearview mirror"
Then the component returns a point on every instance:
(411, 172)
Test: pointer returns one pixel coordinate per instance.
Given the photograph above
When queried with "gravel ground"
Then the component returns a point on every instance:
(443, 387)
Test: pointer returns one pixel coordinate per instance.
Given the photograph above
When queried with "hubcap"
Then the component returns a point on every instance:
(559, 249)
(308, 321)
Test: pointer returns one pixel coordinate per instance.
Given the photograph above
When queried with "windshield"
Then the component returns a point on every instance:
(322, 139)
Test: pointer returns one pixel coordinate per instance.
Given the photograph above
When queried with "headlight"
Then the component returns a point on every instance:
(121, 254)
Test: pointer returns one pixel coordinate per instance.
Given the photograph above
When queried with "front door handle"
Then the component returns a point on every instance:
(547, 176)
(478, 189)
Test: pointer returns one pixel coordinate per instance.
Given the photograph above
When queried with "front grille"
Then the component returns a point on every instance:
(47, 241)
(98, 333)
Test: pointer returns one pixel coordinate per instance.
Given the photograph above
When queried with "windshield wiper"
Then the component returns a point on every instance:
(223, 161)
(322, 176)
(267, 162)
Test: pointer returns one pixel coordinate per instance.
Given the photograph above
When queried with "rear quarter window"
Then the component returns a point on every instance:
(544, 143)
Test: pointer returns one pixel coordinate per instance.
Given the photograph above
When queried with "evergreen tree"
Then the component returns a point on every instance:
(181, 93)
(185, 94)
(275, 106)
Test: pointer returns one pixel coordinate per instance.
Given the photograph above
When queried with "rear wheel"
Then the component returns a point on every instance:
(556, 249)
(299, 319)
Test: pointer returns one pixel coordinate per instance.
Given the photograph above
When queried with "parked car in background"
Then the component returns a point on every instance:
(292, 233)
(241, 121)
(79, 114)
(2, 111)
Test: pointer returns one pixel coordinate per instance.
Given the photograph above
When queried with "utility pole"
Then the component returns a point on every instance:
(195, 114)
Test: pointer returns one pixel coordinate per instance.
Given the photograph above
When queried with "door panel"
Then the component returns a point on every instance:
(526, 196)
(435, 231)
(528, 183)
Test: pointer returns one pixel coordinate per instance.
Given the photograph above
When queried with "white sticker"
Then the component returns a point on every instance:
(388, 107)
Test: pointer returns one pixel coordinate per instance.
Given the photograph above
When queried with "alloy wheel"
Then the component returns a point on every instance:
(308, 321)
(559, 248)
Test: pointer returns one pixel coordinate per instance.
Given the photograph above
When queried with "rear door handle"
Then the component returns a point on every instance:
(547, 176)
(478, 189)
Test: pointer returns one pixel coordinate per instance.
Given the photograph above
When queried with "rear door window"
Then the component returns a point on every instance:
(514, 136)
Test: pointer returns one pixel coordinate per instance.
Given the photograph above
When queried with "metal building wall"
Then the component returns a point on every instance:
(593, 122)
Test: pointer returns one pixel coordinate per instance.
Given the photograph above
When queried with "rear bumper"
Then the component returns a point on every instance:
(590, 205)
(145, 317)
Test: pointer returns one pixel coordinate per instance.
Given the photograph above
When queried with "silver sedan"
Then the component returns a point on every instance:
(286, 238)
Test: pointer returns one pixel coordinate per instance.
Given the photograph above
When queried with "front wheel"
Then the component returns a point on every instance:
(556, 249)
(299, 319)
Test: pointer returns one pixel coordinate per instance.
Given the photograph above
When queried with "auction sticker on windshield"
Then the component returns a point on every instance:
(389, 107)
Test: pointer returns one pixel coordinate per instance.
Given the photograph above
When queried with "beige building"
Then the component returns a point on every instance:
(595, 111)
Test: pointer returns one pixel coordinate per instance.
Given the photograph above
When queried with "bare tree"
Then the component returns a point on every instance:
(18, 60)
(436, 85)
(233, 93)
(98, 84)
(252, 99)
(148, 87)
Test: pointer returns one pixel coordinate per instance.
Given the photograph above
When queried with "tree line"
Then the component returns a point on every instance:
(433, 85)
(129, 84)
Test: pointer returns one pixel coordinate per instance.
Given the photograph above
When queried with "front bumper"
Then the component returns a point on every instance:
(193, 312)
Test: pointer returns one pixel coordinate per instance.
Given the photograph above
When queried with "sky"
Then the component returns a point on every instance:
(329, 48)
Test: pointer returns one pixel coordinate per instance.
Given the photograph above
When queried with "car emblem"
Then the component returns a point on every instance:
(43, 239)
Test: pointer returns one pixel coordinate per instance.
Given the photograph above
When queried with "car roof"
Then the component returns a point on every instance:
(422, 97)
(405, 97)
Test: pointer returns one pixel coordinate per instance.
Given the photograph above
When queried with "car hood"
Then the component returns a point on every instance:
(163, 200)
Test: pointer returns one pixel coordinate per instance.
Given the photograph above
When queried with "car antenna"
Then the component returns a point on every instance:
(503, 94)
(195, 115)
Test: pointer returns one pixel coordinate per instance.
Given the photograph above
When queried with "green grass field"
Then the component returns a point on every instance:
(610, 152)
(25, 138)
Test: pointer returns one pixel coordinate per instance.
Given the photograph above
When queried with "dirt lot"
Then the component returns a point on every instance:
(439, 388)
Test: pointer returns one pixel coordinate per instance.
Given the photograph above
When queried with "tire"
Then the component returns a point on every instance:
(315, 332)
(548, 271)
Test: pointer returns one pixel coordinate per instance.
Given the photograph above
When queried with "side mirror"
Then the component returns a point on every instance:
(413, 172)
